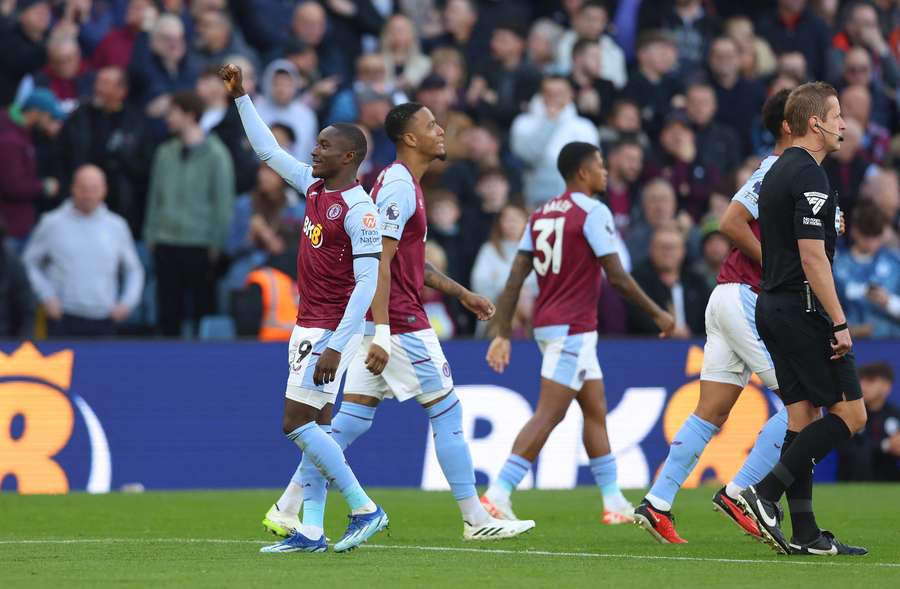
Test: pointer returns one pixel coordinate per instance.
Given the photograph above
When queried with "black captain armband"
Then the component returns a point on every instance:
(839, 327)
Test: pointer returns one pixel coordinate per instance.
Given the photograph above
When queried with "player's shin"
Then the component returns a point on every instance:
(685, 451)
(763, 456)
(454, 457)
(329, 459)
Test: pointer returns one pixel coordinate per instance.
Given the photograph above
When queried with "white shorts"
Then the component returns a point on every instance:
(417, 369)
(569, 360)
(733, 348)
(304, 349)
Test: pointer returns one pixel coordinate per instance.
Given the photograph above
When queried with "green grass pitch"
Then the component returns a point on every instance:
(211, 539)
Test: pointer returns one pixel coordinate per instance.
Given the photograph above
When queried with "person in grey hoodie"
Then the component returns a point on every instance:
(280, 103)
(74, 260)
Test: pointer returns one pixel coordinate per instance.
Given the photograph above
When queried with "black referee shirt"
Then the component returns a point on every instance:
(795, 202)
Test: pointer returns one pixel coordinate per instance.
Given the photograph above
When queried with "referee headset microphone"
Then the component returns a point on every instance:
(824, 130)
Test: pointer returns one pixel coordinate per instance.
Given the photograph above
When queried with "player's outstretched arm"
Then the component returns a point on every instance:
(735, 225)
(628, 288)
(264, 144)
(380, 350)
(499, 351)
(481, 306)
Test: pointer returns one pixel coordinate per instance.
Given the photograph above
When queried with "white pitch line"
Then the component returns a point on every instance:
(779, 561)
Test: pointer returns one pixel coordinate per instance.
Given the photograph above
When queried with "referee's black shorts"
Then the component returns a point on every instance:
(800, 346)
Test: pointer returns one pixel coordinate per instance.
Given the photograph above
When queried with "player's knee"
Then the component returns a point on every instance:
(855, 416)
(712, 414)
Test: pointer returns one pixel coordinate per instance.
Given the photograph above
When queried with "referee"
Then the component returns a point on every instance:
(802, 324)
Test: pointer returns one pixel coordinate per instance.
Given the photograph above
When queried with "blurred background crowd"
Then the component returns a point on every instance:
(131, 203)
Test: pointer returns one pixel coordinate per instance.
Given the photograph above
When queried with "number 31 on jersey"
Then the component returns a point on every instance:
(550, 257)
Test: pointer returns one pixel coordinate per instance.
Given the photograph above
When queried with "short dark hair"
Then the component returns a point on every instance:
(624, 141)
(189, 102)
(572, 157)
(513, 26)
(581, 46)
(397, 120)
(286, 129)
(355, 138)
(593, 4)
(773, 112)
(868, 219)
(877, 370)
(652, 36)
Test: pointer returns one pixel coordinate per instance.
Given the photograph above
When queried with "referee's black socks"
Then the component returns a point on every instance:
(809, 447)
(799, 494)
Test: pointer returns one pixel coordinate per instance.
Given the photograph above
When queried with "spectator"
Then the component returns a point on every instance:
(793, 63)
(309, 24)
(714, 248)
(23, 49)
(189, 207)
(447, 64)
(653, 87)
(109, 133)
(161, 65)
(678, 161)
(20, 185)
(623, 122)
(861, 29)
(493, 193)
(543, 38)
(116, 47)
(671, 285)
(17, 304)
(435, 302)
(792, 26)
(444, 229)
(66, 74)
(868, 276)
(593, 95)
(847, 167)
(481, 149)
(881, 187)
(348, 23)
(590, 23)
(217, 39)
(372, 73)
(220, 116)
(873, 454)
(858, 72)
(75, 259)
(658, 210)
(625, 163)
(856, 104)
(503, 84)
(739, 99)
(688, 23)
(405, 64)
(373, 107)
(717, 144)
(538, 135)
(460, 18)
(757, 59)
(280, 103)
(495, 258)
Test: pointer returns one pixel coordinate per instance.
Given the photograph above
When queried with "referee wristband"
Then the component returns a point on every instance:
(839, 327)
(382, 337)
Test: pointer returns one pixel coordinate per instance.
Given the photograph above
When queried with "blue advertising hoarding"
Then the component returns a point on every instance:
(181, 415)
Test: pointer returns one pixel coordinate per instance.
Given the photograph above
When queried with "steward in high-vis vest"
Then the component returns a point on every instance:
(279, 303)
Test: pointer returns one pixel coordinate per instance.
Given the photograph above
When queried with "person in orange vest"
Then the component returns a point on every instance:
(267, 305)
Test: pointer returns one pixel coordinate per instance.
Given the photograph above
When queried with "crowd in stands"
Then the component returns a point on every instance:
(131, 202)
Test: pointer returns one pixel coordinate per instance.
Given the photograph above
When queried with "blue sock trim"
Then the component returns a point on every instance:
(513, 471)
(605, 473)
(358, 411)
(443, 406)
(294, 435)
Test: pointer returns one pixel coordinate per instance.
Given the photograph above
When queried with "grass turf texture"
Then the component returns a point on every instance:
(159, 540)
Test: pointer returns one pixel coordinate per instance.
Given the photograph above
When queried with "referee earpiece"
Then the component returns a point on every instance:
(824, 130)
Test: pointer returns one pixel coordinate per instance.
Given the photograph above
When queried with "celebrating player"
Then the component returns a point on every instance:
(401, 356)
(337, 268)
(732, 353)
(567, 241)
